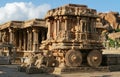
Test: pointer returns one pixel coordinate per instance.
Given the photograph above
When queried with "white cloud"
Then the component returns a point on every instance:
(22, 11)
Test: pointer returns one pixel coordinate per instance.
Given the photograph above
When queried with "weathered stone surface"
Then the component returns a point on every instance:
(107, 24)
(71, 9)
(111, 18)
(24, 35)
(70, 28)
(114, 36)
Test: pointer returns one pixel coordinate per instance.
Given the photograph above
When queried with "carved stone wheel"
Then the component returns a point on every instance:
(73, 58)
(94, 58)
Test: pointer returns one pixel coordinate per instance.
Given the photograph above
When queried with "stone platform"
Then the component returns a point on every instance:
(65, 70)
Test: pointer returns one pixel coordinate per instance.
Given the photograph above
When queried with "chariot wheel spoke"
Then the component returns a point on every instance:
(94, 58)
(73, 58)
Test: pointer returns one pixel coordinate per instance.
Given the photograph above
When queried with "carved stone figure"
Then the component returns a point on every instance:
(39, 60)
(30, 60)
(4, 37)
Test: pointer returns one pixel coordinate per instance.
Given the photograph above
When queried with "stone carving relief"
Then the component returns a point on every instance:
(69, 10)
(4, 37)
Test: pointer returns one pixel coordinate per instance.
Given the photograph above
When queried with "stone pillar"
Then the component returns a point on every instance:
(66, 28)
(29, 41)
(55, 29)
(20, 40)
(11, 33)
(48, 24)
(35, 39)
(78, 24)
(66, 23)
(58, 25)
(25, 41)
(78, 36)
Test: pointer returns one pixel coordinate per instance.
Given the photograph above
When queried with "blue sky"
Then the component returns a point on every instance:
(12, 9)
(100, 5)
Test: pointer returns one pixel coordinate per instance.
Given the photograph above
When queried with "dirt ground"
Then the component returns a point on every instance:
(11, 71)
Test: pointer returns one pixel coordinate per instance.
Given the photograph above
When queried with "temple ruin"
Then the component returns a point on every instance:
(26, 36)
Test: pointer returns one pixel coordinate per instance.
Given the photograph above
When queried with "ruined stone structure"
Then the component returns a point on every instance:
(73, 41)
(26, 36)
(72, 37)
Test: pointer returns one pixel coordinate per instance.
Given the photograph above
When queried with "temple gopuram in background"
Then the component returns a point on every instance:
(25, 36)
